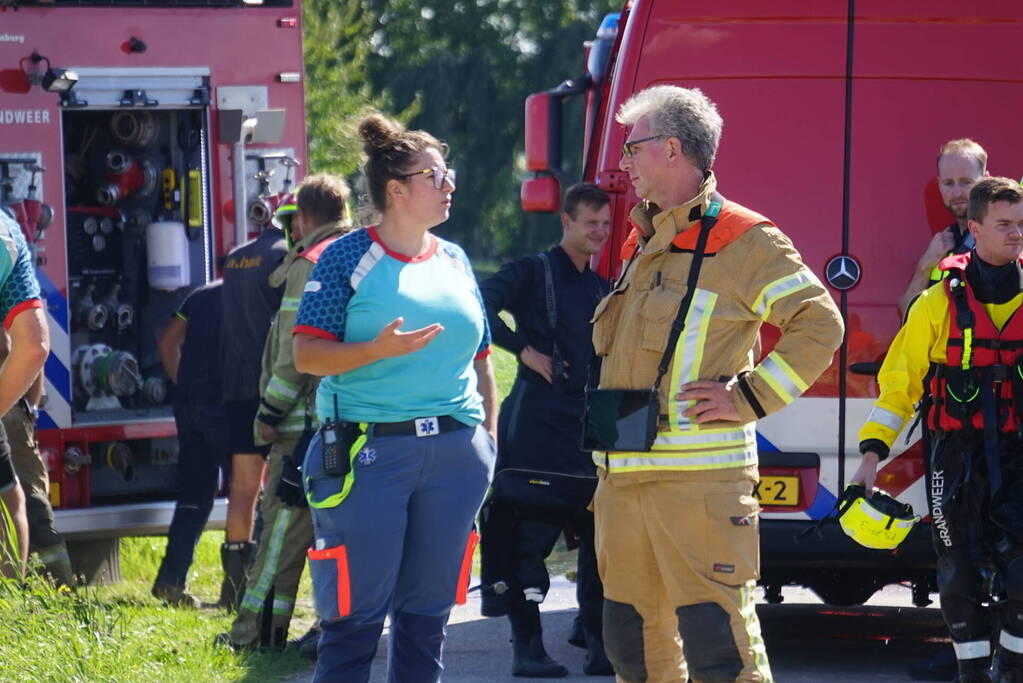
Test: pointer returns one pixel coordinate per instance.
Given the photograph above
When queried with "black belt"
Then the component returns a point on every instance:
(421, 426)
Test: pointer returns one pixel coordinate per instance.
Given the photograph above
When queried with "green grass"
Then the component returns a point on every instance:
(121, 633)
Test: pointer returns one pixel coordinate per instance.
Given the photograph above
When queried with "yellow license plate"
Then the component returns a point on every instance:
(777, 491)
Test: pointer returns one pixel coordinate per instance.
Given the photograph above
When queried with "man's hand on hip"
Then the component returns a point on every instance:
(713, 401)
(537, 362)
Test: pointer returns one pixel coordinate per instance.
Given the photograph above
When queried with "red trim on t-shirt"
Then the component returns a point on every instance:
(23, 306)
(313, 332)
(430, 250)
(482, 354)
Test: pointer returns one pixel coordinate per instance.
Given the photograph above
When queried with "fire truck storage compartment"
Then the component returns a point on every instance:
(138, 240)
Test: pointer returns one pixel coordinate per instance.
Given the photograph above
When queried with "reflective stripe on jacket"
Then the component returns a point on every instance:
(751, 274)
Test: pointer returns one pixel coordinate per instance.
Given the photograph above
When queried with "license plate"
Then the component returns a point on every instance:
(780, 491)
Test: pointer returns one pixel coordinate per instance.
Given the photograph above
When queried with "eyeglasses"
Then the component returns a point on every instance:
(437, 174)
(627, 148)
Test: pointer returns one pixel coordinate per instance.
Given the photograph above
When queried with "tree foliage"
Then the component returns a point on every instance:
(460, 69)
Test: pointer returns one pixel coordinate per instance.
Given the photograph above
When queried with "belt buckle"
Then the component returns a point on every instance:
(427, 426)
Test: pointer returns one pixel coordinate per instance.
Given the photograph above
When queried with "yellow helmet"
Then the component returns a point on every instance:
(879, 522)
(285, 212)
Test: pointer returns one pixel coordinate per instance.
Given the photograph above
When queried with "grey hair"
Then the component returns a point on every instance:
(684, 113)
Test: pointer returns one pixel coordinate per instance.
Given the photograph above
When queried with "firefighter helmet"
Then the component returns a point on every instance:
(285, 212)
(879, 522)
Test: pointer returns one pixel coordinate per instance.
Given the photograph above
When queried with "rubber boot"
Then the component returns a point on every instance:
(1007, 667)
(415, 649)
(57, 563)
(529, 658)
(306, 645)
(596, 662)
(235, 558)
(973, 671)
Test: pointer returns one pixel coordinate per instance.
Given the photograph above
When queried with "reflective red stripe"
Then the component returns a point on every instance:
(314, 332)
(461, 592)
(340, 556)
(23, 306)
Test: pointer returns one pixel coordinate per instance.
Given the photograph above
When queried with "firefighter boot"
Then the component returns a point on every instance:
(973, 671)
(306, 645)
(235, 558)
(530, 660)
(57, 564)
(1008, 665)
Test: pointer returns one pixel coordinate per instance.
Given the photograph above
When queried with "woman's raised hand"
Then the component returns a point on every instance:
(390, 342)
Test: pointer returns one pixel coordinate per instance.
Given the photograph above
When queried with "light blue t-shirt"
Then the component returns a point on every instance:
(357, 288)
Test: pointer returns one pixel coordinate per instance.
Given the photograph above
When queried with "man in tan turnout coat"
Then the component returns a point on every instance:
(677, 527)
(317, 219)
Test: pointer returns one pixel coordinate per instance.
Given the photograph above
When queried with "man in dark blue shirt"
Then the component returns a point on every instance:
(189, 352)
(249, 304)
(551, 296)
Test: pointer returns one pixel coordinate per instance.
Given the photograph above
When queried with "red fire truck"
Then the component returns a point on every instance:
(140, 140)
(834, 112)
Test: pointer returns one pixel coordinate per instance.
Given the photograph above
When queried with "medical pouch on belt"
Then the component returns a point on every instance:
(979, 357)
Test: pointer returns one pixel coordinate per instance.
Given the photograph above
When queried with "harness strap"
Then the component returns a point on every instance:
(990, 411)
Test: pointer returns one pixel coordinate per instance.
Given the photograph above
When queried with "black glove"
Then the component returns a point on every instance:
(289, 488)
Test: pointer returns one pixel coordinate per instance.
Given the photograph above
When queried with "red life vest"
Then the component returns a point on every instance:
(991, 355)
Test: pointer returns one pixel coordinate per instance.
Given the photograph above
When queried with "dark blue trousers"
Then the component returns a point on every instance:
(395, 546)
(202, 456)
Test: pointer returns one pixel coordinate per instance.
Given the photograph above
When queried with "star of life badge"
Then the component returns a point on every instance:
(427, 426)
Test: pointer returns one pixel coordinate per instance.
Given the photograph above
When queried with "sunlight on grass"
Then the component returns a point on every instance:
(122, 634)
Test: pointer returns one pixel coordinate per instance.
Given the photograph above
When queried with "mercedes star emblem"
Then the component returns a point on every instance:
(843, 272)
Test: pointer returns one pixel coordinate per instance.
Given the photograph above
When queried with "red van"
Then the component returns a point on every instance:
(834, 113)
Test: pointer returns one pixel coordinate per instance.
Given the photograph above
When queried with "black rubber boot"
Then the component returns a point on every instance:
(973, 671)
(306, 645)
(235, 558)
(1007, 667)
(530, 659)
(596, 663)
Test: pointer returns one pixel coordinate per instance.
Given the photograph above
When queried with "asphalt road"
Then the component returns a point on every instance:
(807, 642)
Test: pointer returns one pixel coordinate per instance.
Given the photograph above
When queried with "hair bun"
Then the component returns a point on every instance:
(377, 131)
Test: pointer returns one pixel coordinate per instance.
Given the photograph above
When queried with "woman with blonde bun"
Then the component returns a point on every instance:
(393, 321)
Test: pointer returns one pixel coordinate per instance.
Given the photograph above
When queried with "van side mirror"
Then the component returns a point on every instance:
(541, 194)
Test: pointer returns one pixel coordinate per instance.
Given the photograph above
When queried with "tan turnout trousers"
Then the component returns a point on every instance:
(679, 558)
(280, 559)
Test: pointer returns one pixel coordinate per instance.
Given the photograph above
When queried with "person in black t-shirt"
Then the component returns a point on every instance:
(188, 350)
(539, 433)
(249, 304)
